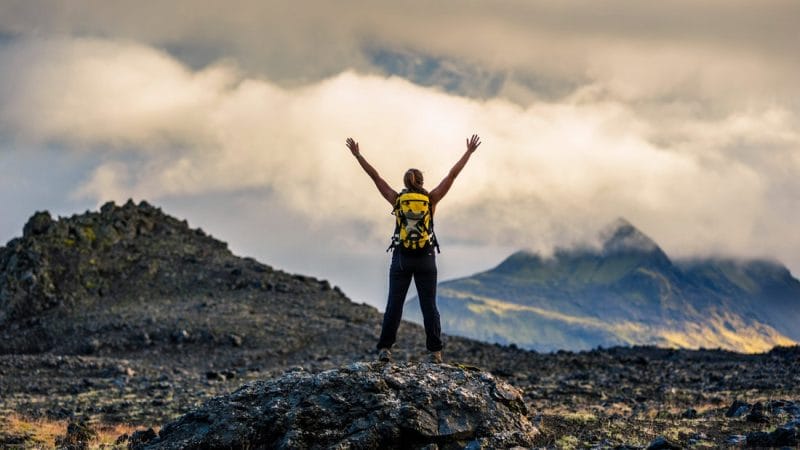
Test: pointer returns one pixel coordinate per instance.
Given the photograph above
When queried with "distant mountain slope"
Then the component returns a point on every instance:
(626, 292)
(764, 289)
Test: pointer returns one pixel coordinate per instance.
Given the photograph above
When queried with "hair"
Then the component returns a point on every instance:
(413, 181)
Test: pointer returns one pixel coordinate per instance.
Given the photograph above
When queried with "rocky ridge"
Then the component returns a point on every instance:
(130, 279)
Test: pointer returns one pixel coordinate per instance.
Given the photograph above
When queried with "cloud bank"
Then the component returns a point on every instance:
(548, 174)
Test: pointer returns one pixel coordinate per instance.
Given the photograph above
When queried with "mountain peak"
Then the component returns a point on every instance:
(622, 236)
(619, 239)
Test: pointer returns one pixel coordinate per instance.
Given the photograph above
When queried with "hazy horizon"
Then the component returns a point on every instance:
(681, 117)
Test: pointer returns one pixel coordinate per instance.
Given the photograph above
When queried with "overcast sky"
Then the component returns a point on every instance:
(682, 117)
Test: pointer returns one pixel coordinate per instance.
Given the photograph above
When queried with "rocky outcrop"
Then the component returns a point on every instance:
(77, 260)
(365, 405)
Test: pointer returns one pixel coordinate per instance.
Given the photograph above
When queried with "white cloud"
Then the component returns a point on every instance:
(88, 92)
(548, 174)
(722, 52)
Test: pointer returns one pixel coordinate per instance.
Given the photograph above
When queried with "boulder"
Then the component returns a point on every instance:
(363, 405)
(780, 437)
(78, 437)
(662, 443)
(38, 224)
(737, 409)
(756, 414)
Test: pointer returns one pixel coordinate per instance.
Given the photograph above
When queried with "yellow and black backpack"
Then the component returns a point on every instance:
(414, 222)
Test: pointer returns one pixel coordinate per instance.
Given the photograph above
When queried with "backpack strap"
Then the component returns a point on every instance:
(396, 234)
(434, 241)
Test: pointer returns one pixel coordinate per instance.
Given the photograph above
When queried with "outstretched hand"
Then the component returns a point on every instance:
(472, 143)
(353, 146)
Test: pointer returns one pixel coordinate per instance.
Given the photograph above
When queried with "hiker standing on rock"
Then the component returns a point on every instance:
(413, 246)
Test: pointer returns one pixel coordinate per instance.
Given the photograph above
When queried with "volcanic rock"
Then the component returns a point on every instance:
(661, 443)
(757, 414)
(78, 436)
(779, 438)
(363, 405)
(138, 438)
(737, 409)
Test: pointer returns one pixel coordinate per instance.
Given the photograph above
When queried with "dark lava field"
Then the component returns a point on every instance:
(128, 315)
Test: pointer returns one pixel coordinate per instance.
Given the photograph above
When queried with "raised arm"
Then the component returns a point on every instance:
(383, 187)
(439, 191)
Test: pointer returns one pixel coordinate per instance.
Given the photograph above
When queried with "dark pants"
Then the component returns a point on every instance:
(422, 267)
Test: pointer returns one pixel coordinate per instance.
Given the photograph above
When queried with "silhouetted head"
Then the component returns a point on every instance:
(413, 181)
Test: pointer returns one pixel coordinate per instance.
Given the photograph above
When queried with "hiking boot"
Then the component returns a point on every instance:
(435, 357)
(384, 355)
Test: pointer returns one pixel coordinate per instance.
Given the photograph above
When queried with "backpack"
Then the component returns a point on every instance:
(414, 222)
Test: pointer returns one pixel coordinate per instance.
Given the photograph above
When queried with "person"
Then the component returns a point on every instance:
(416, 263)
